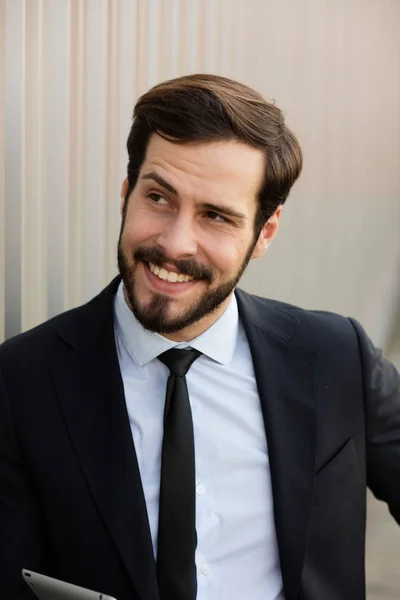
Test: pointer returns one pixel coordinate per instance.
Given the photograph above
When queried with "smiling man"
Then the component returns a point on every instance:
(188, 232)
(177, 438)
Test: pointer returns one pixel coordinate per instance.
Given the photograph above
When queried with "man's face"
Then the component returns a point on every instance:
(188, 232)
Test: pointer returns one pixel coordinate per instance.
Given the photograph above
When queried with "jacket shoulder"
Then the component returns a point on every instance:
(81, 322)
(318, 328)
(36, 339)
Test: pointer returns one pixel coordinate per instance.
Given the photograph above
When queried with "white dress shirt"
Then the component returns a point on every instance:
(236, 555)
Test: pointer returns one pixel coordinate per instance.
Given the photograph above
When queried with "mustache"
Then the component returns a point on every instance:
(186, 266)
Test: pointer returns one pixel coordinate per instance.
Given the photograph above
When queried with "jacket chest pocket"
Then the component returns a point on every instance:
(335, 471)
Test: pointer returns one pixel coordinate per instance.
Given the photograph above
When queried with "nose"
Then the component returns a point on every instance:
(178, 239)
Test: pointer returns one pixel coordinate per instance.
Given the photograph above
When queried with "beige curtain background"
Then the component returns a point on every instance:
(70, 71)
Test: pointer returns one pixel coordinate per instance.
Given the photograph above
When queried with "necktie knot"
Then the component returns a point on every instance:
(179, 360)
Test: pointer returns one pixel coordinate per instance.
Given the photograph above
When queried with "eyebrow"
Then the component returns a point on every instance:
(161, 181)
(225, 210)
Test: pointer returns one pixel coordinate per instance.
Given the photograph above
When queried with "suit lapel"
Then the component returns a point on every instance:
(286, 381)
(90, 390)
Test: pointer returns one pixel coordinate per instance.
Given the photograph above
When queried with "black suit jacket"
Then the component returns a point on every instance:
(71, 500)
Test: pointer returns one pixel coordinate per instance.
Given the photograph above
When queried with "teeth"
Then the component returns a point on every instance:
(169, 276)
(163, 274)
(172, 277)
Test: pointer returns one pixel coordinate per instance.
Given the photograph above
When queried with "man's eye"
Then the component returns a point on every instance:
(157, 198)
(214, 216)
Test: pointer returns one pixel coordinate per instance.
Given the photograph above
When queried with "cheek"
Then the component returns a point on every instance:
(137, 229)
(228, 254)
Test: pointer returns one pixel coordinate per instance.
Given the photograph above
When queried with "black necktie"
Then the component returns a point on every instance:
(176, 569)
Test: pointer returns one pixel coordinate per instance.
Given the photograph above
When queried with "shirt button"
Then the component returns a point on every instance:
(204, 569)
(200, 489)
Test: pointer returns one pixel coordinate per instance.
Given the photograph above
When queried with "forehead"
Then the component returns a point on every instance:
(228, 170)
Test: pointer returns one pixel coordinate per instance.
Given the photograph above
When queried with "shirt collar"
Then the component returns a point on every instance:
(217, 342)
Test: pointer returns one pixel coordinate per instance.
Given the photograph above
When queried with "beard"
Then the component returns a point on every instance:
(154, 315)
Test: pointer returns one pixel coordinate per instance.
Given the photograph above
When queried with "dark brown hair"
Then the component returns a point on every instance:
(206, 108)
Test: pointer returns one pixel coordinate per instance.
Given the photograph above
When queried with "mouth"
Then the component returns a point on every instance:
(168, 282)
(169, 276)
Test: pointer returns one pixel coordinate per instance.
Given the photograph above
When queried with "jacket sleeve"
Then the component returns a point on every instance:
(20, 519)
(382, 408)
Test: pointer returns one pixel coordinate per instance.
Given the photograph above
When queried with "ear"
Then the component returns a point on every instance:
(124, 191)
(267, 234)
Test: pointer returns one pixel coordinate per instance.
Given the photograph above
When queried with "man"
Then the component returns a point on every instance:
(242, 474)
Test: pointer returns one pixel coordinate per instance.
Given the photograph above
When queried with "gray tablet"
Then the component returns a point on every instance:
(47, 588)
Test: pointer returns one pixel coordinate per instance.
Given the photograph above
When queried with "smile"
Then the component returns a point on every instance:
(169, 276)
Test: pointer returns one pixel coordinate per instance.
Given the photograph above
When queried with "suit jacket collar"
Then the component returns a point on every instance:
(89, 385)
